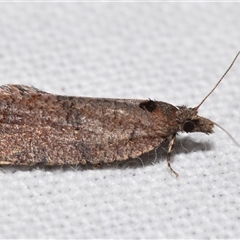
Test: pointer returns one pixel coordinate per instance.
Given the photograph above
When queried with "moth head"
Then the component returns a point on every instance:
(189, 121)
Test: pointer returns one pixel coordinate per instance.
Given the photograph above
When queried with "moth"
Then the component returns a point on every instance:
(41, 128)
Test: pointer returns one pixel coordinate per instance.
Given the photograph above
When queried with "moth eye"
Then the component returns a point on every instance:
(188, 126)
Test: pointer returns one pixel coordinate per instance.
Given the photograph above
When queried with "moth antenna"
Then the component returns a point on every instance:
(233, 139)
(197, 107)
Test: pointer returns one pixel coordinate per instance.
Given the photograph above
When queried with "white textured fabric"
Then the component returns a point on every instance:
(174, 52)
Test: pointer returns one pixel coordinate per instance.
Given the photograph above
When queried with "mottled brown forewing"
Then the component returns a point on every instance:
(38, 127)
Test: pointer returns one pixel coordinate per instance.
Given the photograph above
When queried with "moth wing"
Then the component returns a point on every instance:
(38, 127)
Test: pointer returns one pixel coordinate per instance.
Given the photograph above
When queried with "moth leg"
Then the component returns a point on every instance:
(170, 148)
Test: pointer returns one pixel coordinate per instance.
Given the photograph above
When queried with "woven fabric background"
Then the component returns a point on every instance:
(174, 52)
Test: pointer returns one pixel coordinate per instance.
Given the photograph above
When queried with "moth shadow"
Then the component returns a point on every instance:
(183, 145)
